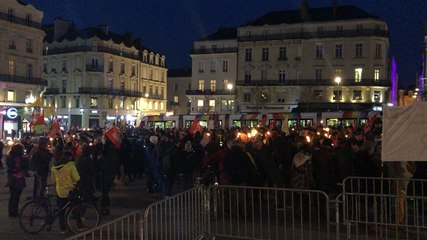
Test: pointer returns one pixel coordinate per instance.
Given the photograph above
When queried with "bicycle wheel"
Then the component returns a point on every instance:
(33, 217)
(82, 217)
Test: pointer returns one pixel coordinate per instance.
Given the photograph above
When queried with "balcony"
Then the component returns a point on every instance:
(19, 20)
(310, 35)
(313, 82)
(209, 92)
(213, 50)
(21, 79)
(93, 68)
(109, 91)
(51, 91)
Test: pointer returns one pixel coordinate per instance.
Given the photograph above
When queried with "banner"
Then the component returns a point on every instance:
(114, 135)
(404, 133)
(54, 129)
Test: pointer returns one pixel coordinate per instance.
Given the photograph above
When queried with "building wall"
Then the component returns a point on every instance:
(177, 87)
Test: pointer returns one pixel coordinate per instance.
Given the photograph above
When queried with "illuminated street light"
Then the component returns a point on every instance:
(146, 95)
(338, 81)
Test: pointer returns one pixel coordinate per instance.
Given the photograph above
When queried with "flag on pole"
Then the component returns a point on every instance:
(54, 129)
(195, 127)
(114, 135)
(368, 125)
(37, 120)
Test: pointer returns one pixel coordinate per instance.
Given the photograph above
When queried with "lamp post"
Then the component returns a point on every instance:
(338, 81)
(229, 87)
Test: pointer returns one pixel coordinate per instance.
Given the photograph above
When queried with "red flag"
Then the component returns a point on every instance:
(195, 126)
(368, 125)
(272, 124)
(37, 118)
(114, 135)
(54, 129)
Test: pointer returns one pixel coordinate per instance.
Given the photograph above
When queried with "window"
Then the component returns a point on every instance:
(338, 51)
(264, 54)
(213, 66)
(201, 66)
(200, 104)
(150, 105)
(64, 65)
(202, 47)
(282, 53)
(357, 95)
(45, 67)
(11, 67)
(378, 50)
(359, 27)
(358, 74)
(248, 77)
(151, 90)
(12, 44)
(110, 103)
(77, 102)
(133, 105)
(162, 91)
(157, 90)
(63, 102)
(224, 84)
(319, 51)
(338, 72)
(319, 29)
(122, 68)
(122, 104)
(175, 87)
(281, 97)
(246, 97)
(213, 48)
(29, 71)
(175, 99)
(133, 70)
(94, 63)
(358, 50)
(201, 85)
(111, 66)
(93, 102)
(376, 74)
(225, 66)
(110, 84)
(264, 74)
(64, 85)
(282, 76)
(28, 18)
(29, 44)
(10, 13)
(189, 86)
(337, 95)
(10, 96)
(213, 85)
(122, 87)
(318, 94)
(318, 74)
(211, 105)
(339, 29)
(248, 54)
(377, 96)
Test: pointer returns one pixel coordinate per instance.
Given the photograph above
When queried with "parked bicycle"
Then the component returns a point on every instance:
(80, 215)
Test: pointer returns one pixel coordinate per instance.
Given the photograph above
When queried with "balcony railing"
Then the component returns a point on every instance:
(19, 20)
(22, 79)
(313, 82)
(92, 68)
(213, 50)
(109, 91)
(51, 91)
(209, 92)
(323, 34)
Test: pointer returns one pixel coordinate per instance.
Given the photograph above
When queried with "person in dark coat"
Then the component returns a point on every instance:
(165, 156)
(108, 167)
(41, 168)
(86, 169)
(17, 166)
(238, 166)
(324, 167)
(187, 165)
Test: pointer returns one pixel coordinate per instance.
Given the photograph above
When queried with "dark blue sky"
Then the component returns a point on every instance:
(171, 26)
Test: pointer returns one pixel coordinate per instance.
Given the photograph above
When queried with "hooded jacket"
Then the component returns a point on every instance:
(65, 176)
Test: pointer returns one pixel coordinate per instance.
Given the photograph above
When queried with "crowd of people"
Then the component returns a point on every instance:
(315, 158)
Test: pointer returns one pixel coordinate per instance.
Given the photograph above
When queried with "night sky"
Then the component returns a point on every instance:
(170, 27)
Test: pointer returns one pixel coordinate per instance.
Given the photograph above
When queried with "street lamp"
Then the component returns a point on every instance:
(229, 87)
(338, 81)
(146, 95)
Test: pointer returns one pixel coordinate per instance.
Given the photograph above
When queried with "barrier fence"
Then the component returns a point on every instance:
(367, 208)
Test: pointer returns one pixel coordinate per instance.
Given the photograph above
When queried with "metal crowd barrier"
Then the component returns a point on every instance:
(382, 208)
(126, 227)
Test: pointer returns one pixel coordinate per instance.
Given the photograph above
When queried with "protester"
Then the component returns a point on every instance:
(40, 160)
(17, 166)
(108, 167)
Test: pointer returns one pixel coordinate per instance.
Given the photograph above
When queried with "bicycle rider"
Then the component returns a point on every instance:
(65, 177)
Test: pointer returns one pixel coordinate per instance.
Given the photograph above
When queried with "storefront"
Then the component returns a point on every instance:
(11, 122)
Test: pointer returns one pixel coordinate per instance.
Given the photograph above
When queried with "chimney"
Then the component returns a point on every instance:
(304, 10)
(60, 28)
(335, 7)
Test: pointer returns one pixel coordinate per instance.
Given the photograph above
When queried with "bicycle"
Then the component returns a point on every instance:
(80, 215)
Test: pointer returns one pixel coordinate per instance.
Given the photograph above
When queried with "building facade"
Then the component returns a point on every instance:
(316, 59)
(96, 76)
(179, 81)
(21, 38)
(214, 73)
